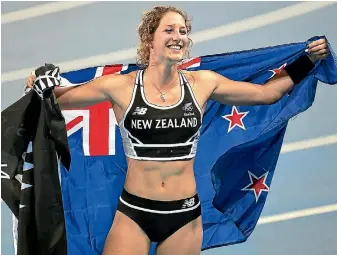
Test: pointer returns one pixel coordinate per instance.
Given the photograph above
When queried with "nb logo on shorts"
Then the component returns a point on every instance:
(188, 107)
(140, 111)
(188, 203)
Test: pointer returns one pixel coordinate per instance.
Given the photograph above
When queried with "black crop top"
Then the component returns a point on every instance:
(153, 132)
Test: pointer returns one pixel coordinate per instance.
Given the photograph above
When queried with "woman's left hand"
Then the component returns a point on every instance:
(318, 50)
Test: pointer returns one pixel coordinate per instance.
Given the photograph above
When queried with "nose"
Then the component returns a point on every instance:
(177, 36)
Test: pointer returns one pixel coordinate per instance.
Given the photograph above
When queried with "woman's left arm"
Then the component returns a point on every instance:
(231, 92)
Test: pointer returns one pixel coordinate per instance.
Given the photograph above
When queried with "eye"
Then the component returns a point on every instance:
(168, 30)
(183, 32)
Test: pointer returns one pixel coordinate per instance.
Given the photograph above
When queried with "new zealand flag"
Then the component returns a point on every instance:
(236, 159)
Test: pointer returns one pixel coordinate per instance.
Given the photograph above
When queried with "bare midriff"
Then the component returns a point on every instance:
(158, 180)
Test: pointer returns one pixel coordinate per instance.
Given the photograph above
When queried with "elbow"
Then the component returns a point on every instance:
(270, 101)
(272, 98)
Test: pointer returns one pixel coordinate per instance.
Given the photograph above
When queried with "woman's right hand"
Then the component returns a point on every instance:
(108, 87)
(44, 79)
(30, 81)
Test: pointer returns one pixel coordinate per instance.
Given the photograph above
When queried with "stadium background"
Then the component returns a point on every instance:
(303, 192)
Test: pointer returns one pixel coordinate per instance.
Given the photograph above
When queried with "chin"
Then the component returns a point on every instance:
(175, 59)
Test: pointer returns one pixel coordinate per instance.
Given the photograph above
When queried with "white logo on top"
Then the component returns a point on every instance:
(139, 111)
(188, 203)
(188, 107)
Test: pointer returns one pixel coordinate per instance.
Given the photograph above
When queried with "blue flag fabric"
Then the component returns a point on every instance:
(237, 154)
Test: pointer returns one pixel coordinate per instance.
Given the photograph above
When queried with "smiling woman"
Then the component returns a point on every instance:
(159, 110)
(150, 23)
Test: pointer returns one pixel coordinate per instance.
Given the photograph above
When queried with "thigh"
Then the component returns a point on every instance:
(126, 237)
(186, 241)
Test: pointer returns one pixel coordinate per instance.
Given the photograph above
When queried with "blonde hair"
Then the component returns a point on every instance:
(147, 27)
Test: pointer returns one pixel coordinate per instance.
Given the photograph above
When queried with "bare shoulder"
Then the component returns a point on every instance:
(203, 83)
(117, 81)
(202, 78)
(117, 87)
(209, 76)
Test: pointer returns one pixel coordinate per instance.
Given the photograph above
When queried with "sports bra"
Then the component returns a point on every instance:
(154, 132)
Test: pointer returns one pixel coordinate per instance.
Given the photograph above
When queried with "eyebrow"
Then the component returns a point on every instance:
(172, 25)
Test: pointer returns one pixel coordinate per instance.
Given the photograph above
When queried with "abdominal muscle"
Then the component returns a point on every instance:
(158, 180)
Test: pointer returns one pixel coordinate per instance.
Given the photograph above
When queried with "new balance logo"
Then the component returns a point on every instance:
(188, 107)
(188, 203)
(139, 111)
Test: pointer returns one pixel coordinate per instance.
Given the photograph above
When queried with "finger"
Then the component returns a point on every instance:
(320, 52)
(30, 84)
(323, 40)
(316, 43)
(29, 81)
(317, 48)
(313, 44)
(31, 76)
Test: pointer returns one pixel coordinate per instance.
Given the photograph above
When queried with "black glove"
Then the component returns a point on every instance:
(47, 77)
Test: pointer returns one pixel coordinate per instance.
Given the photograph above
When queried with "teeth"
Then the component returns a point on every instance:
(176, 47)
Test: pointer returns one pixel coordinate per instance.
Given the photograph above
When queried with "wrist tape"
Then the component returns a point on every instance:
(300, 68)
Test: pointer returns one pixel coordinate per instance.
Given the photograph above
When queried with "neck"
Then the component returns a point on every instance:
(162, 75)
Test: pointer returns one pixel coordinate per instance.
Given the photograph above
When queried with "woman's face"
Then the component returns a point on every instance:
(170, 40)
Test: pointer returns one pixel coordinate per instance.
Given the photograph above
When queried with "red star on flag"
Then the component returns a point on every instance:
(235, 119)
(257, 184)
(277, 70)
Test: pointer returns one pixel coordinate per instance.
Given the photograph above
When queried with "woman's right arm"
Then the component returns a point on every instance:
(98, 90)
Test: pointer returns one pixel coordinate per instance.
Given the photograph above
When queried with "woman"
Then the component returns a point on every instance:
(159, 110)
